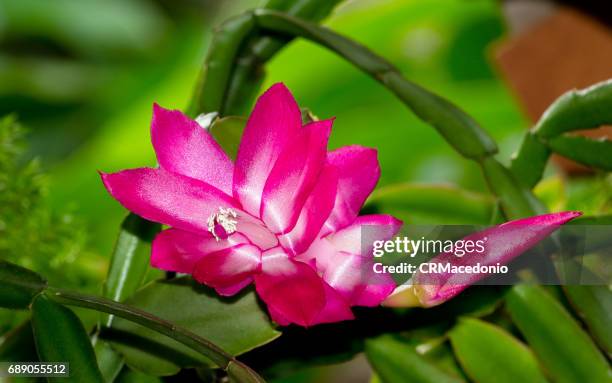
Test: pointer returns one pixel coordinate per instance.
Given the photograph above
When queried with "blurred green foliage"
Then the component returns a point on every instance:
(65, 66)
(48, 241)
(37, 237)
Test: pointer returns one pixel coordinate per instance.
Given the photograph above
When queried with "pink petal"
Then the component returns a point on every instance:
(359, 172)
(320, 247)
(336, 308)
(275, 120)
(293, 292)
(228, 291)
(313, 214)
(230, 268)
(184, 147)
(352, 276)
(375, 291)
(277, 316)
(344, 259)
(256, 232)
(349, 240)
(179, 250)
(293, 177)
(360, 235)
(502, 244)
(168, 198)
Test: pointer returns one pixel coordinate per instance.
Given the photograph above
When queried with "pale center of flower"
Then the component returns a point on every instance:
(224, 220)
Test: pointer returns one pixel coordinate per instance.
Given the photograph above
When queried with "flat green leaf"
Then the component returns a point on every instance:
(130, 260)
(490, 354)
(110, 362)
(18, 285)
(128, 267)
(594, 305)
(395, 361)
(517, 201)
(227, 131)
(530, 161)
(442, 203)
(441, 354)
(577, 109)
(237, 324)
(61, 337)
(562, 347)
(430, 342)
(596, 153)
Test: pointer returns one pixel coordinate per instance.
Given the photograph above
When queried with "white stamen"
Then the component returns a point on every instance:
(226, 217)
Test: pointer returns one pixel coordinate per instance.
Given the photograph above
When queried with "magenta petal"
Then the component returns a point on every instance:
(292, 290)
(359, 236)
(359, 172)
(228, 291)
(184, 147)
(275, 121)
(353, 277)
(375, 291)
(294, 176)
(320, 247)
(229, 268)
(168, 198)
(178, 250)
(313, 214)
(336, 308)
(278, 316)
(503, 243)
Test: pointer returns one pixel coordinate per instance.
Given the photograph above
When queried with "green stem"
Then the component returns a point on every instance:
(249, 71)
(458, 128)
(224, 360)
(516, 200)
(217, 70)
(529, 162)
(575, 110)
(233, 68)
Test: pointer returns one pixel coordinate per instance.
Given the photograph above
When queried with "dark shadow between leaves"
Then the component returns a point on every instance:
(148, 346)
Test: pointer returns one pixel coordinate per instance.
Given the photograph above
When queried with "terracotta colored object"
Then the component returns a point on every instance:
(562, 51)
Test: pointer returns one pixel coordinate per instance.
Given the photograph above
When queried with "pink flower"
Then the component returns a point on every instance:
(284, 215)
(503, 243)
